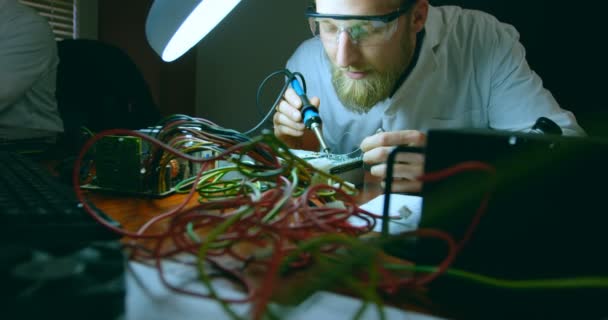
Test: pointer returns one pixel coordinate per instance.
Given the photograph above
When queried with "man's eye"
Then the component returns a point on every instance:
(359, 31)
(327, 27)
(376, 30)
(370, 28)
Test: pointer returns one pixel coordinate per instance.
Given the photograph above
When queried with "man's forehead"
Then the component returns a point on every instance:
(356, 7)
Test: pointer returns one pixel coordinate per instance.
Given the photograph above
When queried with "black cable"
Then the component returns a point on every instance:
(259, 92)
(388, 181)
(290, 76)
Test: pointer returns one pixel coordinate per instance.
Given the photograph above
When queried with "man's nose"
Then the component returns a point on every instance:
(347, 52)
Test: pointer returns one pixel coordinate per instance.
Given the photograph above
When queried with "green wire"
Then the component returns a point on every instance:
(208, 190)
(87, 131)
(190, 232)
(555, 283)
(302, 176)
(277, 207)
(202, 255)
(368, 293)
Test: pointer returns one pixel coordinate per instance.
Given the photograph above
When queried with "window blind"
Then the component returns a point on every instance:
(60, 13)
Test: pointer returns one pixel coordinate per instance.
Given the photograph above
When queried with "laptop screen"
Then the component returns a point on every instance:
(546, 215)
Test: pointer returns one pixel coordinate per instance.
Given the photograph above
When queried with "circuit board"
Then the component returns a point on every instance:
(348, 168)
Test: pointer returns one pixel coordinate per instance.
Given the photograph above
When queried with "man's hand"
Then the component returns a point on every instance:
(408, 166)
(287, 119)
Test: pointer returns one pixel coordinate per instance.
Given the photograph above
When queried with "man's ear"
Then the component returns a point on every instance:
(420, 11)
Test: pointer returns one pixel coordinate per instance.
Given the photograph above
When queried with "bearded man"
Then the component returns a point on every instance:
(404, 66)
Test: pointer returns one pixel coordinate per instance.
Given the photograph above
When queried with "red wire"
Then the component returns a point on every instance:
(299, 219)
(462, 167)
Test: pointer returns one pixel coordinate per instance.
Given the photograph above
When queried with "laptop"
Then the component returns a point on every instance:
(547, 215)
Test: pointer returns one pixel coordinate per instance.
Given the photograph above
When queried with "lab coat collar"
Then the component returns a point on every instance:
(435, 30)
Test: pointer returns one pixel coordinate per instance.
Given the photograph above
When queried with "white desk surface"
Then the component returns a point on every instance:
(147, 297)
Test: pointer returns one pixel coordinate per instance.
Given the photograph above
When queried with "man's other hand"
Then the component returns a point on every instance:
(408, 166)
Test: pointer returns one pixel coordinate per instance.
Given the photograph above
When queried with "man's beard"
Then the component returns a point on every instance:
(362, 94)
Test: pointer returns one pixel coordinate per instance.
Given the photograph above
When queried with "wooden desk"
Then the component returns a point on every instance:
(133, 212)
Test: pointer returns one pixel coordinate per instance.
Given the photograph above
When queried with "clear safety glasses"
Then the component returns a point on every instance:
(362, 30)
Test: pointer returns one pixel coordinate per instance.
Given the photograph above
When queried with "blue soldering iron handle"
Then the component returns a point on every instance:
(310, 114)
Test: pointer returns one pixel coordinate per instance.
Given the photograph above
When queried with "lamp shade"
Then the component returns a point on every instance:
(175, 26)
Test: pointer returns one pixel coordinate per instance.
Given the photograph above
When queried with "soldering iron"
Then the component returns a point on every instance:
(310, 114)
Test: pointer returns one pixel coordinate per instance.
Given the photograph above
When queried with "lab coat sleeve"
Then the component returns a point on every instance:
(518, 97)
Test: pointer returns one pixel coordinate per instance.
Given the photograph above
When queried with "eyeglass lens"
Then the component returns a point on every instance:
(361, 32)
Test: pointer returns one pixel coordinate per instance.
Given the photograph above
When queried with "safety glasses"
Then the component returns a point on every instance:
(362, 30)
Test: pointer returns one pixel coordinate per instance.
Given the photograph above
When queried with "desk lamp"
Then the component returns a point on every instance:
(175, 26)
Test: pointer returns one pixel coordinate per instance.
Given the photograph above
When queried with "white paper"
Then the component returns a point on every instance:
(408, 208)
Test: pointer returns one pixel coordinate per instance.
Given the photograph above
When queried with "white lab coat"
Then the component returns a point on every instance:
(471, 73)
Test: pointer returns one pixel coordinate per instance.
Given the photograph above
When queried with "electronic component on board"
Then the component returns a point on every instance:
(121, 166)
(347, 168)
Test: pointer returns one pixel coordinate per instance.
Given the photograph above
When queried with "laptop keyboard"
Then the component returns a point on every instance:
(37, 209)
